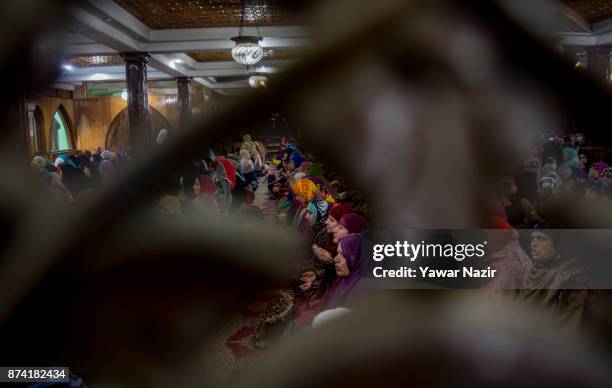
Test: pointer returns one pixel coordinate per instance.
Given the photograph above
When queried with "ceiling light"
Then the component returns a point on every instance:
(247, 50)
(68, 67)
(258, 81)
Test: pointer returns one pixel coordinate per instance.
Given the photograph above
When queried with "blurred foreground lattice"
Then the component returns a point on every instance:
(421, 103)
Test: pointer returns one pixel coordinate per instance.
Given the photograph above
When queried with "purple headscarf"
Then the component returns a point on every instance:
(108, 168)
(342, 287)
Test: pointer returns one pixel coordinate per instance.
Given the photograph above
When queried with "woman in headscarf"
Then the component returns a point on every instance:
(556, 284)
(570, 158)
(205, 190)
(249, 145)
(247, 168)
(224, 195)
(349, 223)
(230, 170)
(297, 159)
(347, 264)
(317, 212)
(109, 172)
(336, 212)
(302, 191)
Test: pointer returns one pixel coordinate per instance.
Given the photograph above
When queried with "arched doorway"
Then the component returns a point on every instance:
(61, 136)
(117, 136)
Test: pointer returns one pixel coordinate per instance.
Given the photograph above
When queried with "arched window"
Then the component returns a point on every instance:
(61, 137)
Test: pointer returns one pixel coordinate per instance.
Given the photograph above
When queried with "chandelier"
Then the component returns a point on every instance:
(247, 50)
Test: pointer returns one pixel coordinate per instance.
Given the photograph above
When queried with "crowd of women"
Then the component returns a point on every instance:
(563, 172)
(562, 168)
(317, 204)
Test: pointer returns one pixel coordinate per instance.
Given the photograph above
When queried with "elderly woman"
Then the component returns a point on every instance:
(348, 270)
(556, 284)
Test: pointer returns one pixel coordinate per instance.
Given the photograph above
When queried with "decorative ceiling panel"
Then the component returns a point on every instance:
(592, 10)
(164, 14)
(217, 56)
(96, 60)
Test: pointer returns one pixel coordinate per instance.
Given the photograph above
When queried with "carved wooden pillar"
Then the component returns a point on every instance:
(184, 100)
(139, 124)
(598, 62)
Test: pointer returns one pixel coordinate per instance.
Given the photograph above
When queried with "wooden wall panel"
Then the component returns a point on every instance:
(90, 118)
(48, 107)
(93, 119)
(168, 107)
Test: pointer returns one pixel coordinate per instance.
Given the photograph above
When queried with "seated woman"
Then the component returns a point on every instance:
(335, 214)
(349, 223)
(313, 272)
(348, 270)
(556, 284)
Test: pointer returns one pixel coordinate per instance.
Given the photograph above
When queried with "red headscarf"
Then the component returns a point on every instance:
(353, 222)
(207, 184)
(339, 210)
(230, 170)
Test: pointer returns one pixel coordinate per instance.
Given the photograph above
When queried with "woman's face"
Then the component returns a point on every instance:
(309, 217)
(339, 232)
(542, 246)
(567, 173)
(340, 265)
(331, 224)
(583, 160)
(196, 187)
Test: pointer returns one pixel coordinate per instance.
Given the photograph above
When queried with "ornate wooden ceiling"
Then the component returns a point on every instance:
(592, 10)
(164, 14)
(96, 60)
(217, 56)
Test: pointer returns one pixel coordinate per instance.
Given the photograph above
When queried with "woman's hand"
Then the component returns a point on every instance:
(305, 287)
(322, 254)
(308, 277)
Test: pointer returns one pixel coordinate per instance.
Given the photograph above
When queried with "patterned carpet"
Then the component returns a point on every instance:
(234, 343)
